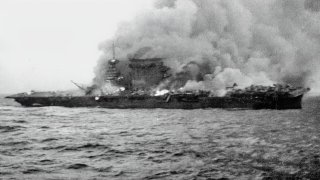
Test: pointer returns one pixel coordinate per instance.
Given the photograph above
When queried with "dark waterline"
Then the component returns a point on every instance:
(95, 143)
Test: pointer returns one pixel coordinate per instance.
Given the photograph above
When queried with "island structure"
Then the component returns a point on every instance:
(138, 86)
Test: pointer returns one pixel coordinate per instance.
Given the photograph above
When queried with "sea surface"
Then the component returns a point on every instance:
(97, 143)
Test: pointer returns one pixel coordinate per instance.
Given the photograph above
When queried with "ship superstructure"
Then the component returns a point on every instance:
(134, 89)
(145, 74)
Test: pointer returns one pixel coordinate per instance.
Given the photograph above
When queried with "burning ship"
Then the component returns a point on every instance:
(135, 89)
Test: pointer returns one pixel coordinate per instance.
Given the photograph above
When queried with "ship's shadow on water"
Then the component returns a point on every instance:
(96, 143)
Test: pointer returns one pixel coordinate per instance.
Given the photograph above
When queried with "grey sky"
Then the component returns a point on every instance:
(46, 43)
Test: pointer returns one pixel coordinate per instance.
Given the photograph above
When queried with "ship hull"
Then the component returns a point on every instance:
(166, 102)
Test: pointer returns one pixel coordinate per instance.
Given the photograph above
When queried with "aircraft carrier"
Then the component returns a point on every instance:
(133, 89)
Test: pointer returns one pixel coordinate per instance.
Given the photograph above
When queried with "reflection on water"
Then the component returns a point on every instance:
(94, 143)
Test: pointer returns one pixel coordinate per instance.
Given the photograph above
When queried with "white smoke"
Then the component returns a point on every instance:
(233, 41)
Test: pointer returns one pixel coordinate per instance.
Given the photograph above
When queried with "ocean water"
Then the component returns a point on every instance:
(96, 143)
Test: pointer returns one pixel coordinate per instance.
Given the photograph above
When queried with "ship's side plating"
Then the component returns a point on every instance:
(176, 101)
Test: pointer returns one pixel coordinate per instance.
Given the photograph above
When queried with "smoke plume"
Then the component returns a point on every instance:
(215, 43)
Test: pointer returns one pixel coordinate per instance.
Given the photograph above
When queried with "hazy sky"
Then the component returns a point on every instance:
(46, 43)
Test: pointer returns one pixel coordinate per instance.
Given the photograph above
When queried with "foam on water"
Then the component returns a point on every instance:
(88, 143)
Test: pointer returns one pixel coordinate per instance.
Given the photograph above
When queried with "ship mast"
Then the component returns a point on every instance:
(112, 72)
(113, 51)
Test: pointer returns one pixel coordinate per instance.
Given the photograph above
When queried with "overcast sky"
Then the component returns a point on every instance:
(46, 43)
